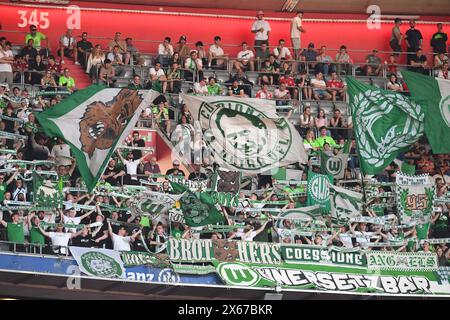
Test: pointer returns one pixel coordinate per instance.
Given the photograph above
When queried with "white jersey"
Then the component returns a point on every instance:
(258, 24)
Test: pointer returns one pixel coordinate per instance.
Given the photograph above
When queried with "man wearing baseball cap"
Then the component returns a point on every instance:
(261, 29)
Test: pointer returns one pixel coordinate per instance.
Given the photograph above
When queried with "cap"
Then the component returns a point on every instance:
(176, 162)
(260, 13)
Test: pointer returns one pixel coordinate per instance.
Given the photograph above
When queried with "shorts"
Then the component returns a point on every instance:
(68, 52)
(320, 92)
(296, 43)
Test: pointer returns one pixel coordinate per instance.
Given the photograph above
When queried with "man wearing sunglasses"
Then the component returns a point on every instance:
(37, 38)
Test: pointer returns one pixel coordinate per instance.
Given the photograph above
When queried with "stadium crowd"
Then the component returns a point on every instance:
(301, 77)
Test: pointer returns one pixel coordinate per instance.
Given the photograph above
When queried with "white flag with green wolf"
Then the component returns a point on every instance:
(93, 121)
(245, 134)
(103, 263)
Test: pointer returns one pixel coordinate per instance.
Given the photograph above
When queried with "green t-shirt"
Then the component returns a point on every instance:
(442, 222)
(15, 232)
(422, 230)
(214, 90)
(165, 113)
(320, 141)
(68, 82)
(2, 191)
(36, 235)
(38, 37)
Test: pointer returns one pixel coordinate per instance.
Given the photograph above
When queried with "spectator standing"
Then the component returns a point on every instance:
(413, 40)
(6, 62)
(396, 37)
(439, 40)
(94, 62)
(182, 48)
(37, 39)
(84, 48)
(137, 142)
(296, 33)
(261, 29)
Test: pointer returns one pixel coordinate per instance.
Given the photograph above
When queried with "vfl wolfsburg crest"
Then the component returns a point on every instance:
(334, 165)
(246, 135)
(386, 124)
(238, 274)
(98, 262)
(318, 190)
(444, 107)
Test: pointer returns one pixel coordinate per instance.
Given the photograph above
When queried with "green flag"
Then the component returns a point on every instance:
(334, 165)
(198, 207)
(92, 122)
(386, 124)
(433, 94)
(345, 204)
(408, 169)
(47, 192)
(318, 190)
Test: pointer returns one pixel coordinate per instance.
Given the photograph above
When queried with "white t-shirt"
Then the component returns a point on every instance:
(250, 236)
(295, 23)
(363, 238)
(60, 239)
(121, 243)
(346, 239)
(318, 82)
(6, 67)
(158, 73)
(162, 50)
(69, 220)
(199, 89)
(189, 63)
(132, 168)
(246, 55)
(280, 94)
(284, 52)
(258, 24)
(218, 51)
(68, 42)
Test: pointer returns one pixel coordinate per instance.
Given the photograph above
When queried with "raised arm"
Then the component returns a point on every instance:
(87, 214)
(110, 229)
(46, 234)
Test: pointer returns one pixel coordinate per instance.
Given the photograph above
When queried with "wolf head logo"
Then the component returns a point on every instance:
(101, 124)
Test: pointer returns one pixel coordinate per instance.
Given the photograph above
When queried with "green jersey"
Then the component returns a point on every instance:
(15, 232)
(36, 235)
(68, 82)
(2, 191)
(214, 90)
(37, 38)
(320, 141)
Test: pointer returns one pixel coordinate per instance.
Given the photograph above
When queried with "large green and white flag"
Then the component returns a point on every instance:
(334, 165)
(345, 204)
(386, 123)
(415, 197)
(246, 135)
(92, 122)
(102, 263)
(47, 191)
(433, 94)
(318, 190)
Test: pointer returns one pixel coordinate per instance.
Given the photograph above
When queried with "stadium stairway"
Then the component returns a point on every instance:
(82, 79)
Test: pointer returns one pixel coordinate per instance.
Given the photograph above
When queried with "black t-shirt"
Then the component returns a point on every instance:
(197, 176)
(439, 42)
(418, 59)
(414, 36)
(84, 45)
(112, 181)
(137, 154)
(137, 245)
(85, 242)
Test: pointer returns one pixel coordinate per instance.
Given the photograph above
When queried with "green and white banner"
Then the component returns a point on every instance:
(433, 94)
(245, 135)
(386, 124)
(345, 204)
(152, 203)
(133, 258)
(318, 190)
(406, 261)
(331, 279)
(102, 263)
(226, 181)
(334, 165)
(93, 121)
(47, 192)
(415, 197)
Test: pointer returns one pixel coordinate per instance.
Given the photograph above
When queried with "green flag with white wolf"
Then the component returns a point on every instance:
(386, 123)
(246, 135)
(93, 121)
(47, 191)
(345, 204)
